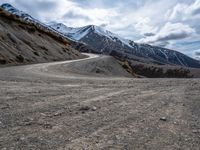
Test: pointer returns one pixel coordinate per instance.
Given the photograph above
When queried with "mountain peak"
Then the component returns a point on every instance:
(6, 5)
(98, 29)
(22, 15)
(93, 27)
(81, 32)
(9, 7)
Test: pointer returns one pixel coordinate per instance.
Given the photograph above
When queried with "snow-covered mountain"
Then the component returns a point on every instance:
(106, 42)
(79, 33)
(19, 13)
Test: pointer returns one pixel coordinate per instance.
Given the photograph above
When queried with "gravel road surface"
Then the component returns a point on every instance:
(44, 107)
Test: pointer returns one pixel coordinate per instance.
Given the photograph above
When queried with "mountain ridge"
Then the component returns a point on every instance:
(106, 42)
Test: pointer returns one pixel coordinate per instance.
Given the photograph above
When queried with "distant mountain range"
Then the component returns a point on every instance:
(106, 42)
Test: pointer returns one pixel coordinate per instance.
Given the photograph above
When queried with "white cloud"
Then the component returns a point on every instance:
(143, 26)
(183, 11)
(196, 54)
(143, 20)
(72, 14)
(170, 32)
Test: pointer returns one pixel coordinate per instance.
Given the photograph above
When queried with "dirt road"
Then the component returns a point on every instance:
(45, 107)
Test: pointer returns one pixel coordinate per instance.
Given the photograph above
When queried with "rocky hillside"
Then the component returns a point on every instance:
(22, 41)
(105, 42)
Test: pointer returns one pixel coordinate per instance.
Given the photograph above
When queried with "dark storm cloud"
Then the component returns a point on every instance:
(149, 34)
(103, 25)
(162, 44)
(74, 15)
(196, 12)
(197, 53)
(170, 32)
(174, 36)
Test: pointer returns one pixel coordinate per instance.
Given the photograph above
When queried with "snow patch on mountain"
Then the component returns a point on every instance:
(79, 33)
(19, 13)
(26, 17)
(74, 33)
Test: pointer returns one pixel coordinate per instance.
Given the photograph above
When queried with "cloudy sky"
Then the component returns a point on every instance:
(172, 24)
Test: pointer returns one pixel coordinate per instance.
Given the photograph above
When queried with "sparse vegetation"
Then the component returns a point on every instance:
(11, 61)
(43, 48)
(158, 72)
(127, 67)
(27, 42)
(83, 48)
(31, 29)
(11, 38)
(45, 58)
(60, 52)
(150, 70)
(64, 50)
(36, 53)
(3, 61)
(21, 26)
(46, 52)
(20, 58)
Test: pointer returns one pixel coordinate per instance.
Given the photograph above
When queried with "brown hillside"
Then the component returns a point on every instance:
(23, 42)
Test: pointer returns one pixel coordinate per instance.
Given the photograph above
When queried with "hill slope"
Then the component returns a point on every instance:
(24, 42)
(103, 66)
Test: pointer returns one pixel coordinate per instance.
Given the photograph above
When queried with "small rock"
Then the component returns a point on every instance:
(28, 121)
(58, 114)
(163, 119)
(43, 114)
(94, 108)
(47, 126)
(84, 108)
(22, 138)
(6, 106)
(196, 131)
(175, 123)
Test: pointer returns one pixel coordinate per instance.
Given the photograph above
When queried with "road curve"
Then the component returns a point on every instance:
(41, 108)
(43, 68)
(38, 69)
(60, 70)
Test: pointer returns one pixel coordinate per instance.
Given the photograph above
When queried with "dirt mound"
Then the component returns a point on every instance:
(100, 66)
